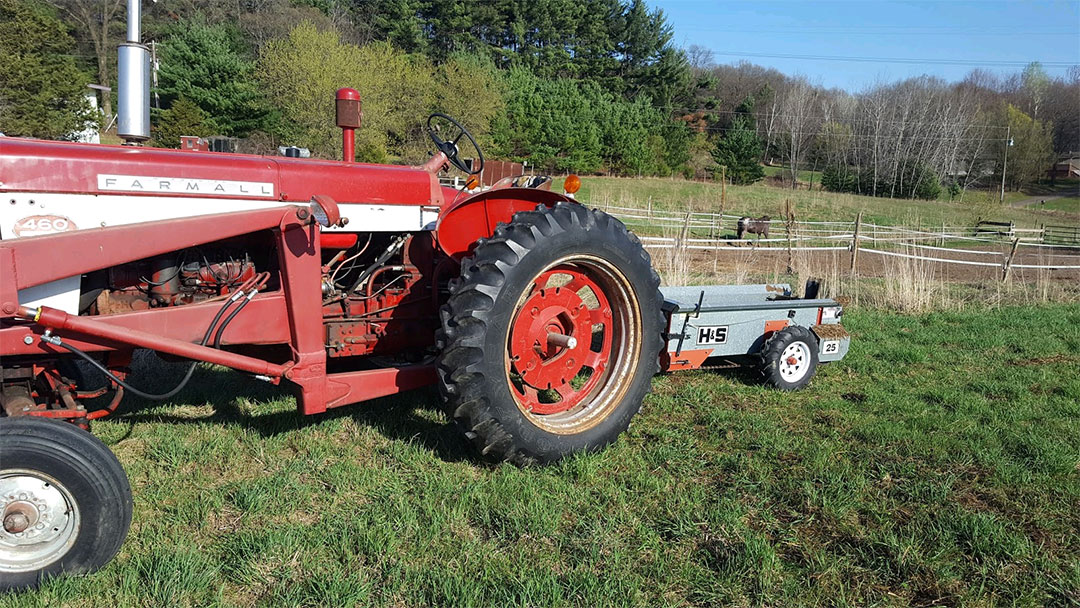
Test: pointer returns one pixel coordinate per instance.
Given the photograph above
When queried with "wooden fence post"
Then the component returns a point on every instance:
(1007, 266)
(683, 233)
(723, 188)
(715, 256)
(855, 242)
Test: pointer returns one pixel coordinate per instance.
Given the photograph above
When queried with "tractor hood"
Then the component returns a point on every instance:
(74, 168)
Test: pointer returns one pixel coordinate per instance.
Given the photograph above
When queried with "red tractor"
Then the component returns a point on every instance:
(539, 319)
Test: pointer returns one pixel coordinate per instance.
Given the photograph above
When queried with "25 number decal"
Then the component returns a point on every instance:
(830, 347)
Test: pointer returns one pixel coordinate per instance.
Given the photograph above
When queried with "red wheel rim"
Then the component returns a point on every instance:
(567, 342)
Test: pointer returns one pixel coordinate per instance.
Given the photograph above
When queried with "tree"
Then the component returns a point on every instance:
(302, 72)
(1031, 152)
(97, 19)
(798, 120)
(205, 64)
(42, 93)
(470, 89)
(553, 124)
(1063, 110)
(740, 151)
(183, 118)
(398, 90)
(1036, 84)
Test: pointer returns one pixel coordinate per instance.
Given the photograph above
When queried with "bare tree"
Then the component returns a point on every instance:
(797, 118)
(700, 58)
(97, 19)
(1036, 84)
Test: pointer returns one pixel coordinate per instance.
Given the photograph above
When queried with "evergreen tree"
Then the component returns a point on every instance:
(740, 150)
(206, 65)
(42, 92)
(183, 118)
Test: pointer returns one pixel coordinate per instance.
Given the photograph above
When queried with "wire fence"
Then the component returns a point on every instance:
(997, 243)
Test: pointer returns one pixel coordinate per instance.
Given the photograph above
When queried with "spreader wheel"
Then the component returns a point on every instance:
(65, 503)
(551, 335)
(789, 358)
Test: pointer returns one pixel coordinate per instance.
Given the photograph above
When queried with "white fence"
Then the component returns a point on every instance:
(856, 236)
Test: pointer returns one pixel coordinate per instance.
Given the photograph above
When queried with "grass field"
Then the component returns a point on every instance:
(1067, 204)
(805, 176)
(939, 464)
(760, 198)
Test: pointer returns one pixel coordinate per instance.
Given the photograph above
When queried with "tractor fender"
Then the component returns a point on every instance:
(473, 218)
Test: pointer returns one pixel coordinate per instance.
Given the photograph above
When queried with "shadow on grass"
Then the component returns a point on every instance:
(233, 396)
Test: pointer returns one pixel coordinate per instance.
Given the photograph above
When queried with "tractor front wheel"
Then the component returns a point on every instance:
(65, 502)
(551, 335)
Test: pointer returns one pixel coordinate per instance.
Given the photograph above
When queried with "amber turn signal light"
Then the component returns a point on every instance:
(571, 184)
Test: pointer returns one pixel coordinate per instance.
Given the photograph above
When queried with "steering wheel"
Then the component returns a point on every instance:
(449, 147)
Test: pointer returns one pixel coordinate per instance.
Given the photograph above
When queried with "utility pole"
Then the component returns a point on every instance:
(1005, 163)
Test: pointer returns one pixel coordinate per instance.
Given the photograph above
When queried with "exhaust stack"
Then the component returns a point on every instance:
(133, 76)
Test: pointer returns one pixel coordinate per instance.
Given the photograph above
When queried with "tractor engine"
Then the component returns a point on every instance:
(380, 296)
(185, 277)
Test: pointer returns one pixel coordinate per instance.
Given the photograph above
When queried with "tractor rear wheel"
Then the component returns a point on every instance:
(65, 502)
(551, 335)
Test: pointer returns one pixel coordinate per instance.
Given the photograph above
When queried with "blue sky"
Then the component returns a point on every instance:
(987, 34)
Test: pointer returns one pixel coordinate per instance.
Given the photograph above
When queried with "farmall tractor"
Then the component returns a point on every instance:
(540, 320)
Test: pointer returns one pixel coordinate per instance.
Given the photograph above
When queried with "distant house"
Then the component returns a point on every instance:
(1068, 168)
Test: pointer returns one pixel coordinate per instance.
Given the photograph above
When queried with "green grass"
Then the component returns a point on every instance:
(759, 199)
(1068, 204)
(939, 464)
(804, 175)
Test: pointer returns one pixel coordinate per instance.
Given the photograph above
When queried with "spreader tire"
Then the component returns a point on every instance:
(62, 485)
(789, 358)
(551, 335)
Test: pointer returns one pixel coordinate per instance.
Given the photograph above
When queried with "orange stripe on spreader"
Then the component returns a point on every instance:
(687, 359)
(771, 326)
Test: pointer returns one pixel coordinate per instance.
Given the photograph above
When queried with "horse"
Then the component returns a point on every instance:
(758, 226)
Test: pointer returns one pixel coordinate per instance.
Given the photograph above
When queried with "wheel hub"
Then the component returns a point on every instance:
(550, 343)
(39, 520)
(794, 361)
(560, 340)
(18, 516)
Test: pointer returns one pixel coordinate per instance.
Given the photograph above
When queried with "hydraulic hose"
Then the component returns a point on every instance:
(228, 319)
(55, 341)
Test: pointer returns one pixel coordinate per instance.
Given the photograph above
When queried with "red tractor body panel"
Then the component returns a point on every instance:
(73, 168)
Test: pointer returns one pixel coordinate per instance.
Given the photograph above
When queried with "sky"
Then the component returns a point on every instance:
(943, 38)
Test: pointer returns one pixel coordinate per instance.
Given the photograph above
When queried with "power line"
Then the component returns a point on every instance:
(906, 60)
(890, 31)
(837, 118)
(863, 136)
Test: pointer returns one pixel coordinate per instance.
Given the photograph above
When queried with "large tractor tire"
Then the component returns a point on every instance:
(551, 335)
(65, 502)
